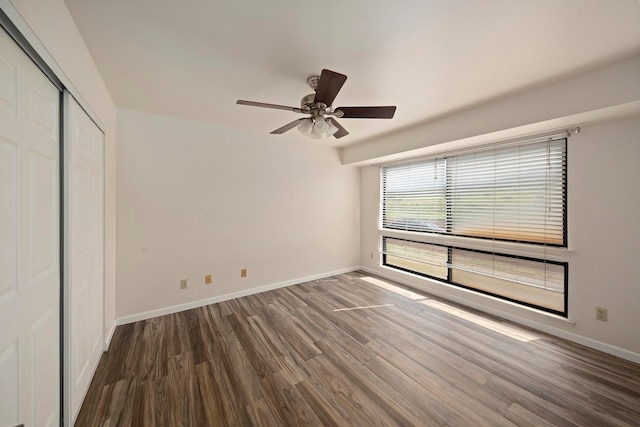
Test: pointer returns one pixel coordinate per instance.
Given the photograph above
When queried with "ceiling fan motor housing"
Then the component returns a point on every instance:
(308, 101)
(310, 106)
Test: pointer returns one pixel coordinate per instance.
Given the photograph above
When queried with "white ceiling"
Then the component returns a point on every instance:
(194, 58)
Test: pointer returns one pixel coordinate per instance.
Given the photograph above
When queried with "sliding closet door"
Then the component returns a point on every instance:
(29, 242)
(84, 255)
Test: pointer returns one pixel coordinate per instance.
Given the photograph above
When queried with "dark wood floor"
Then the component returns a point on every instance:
(352, 351)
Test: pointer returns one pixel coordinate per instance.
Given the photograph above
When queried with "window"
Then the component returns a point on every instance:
(415, 197)
(429, 260)
(512, 193)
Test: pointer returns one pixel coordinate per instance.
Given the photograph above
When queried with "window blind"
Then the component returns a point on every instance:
(512, 193)
(414, 196)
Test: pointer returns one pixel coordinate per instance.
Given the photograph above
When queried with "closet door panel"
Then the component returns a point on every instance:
(86, 250)
(29, 241)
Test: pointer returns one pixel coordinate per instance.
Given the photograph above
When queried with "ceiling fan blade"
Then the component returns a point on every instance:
(286, 127)
(264, 105)
(367, 112)
(341, 131)
(329, 85)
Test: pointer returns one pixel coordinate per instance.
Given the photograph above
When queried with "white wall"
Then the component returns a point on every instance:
(196, 199)
(604, 233)
(605, 92)
(58, 41)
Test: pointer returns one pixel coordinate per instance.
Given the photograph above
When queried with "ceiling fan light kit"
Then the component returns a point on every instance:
(318, 106)
(332, 129)
(306, 127)
(317, 128)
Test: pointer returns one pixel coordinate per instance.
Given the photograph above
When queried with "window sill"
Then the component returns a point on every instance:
(552, 253)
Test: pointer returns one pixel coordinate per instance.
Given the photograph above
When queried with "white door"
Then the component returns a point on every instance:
(29, 242)
(85, 253)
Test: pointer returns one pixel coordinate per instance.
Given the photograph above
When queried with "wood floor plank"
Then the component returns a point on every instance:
(244, 380)
(388, 399)
(109, 365)
(438, 388)
(219, 401)
(153, 362)
(155, 411)
(362, 409)
(350, 325)
(113, 405)
(536, 382)
(290, 359)
(439, 360)
(352, 350)
(437, 409)
(611, 394)
(541, 396)
(523, 418)
(294, 336)
(287, 298)
(399, 323)
(251, 347)
(334, 330)
(465, 376)
(175, 339)
(542, 408)
(183, 392)
(617, 373)
(323, 404)
(262, 414)
(276, 359)
(286, 399)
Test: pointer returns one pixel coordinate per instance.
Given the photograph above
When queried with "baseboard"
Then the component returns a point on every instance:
(213, 300)
(560, 333)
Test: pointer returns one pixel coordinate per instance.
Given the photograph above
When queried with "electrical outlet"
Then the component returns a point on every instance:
(243, 272)
(184, 284)
(207, 279)
(601, 314)
(371, 255)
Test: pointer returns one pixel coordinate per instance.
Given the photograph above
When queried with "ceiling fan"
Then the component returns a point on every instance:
(318, 106)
